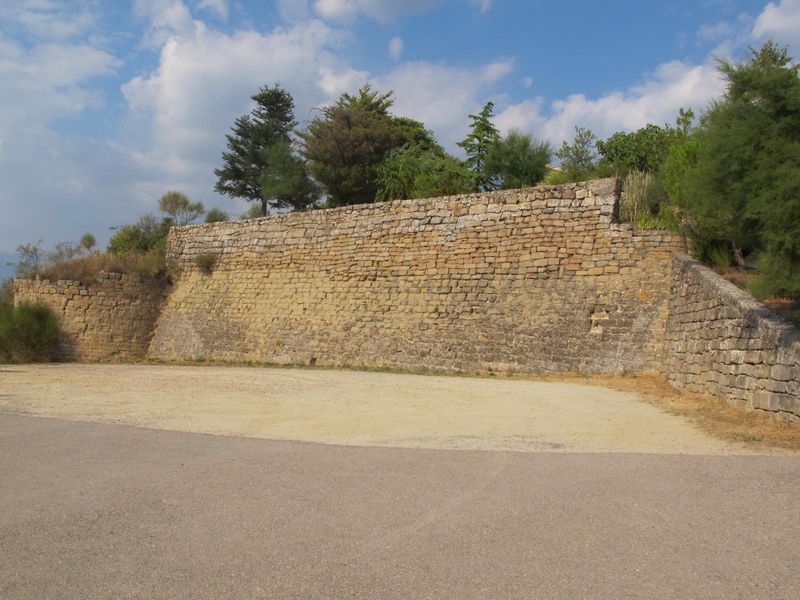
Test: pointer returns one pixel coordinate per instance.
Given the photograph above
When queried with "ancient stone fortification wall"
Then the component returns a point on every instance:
(538, 280)
(723, 342)
(111, 318)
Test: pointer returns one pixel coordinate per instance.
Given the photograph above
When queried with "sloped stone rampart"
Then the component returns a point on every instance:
(721, 341)
(111, 318)
(535, 281)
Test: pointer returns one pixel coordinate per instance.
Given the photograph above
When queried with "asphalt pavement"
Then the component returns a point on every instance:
(91, 510)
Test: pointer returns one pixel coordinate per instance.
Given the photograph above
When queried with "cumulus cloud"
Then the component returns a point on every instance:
(47, 19)
(657, 100)
(781, 22)
(165, 19)
(396, 47)
(43, 172)
(204, 80)
(441, 95)
(345, 11)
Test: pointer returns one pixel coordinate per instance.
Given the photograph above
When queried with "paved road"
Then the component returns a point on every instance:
(92, 510)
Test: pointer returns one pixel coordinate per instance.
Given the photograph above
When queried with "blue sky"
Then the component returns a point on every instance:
(107, 104)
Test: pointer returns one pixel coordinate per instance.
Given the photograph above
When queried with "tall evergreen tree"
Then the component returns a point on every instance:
(270, 122)
(478, 144)
(741, 186)
(349, 140)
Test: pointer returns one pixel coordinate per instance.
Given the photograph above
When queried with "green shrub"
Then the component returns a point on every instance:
(775, 278)
(7, 293)
(720, 256)
(216, 215)
(28, 333)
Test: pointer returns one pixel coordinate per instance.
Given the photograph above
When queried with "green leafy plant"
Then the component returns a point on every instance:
(28, 333)
(216, 215)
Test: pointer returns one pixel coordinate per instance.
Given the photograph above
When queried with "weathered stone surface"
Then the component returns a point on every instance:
(504, 281)
(717, 333)
(533, 281)
(111, 318)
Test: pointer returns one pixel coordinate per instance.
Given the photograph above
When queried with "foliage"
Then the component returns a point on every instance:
(176, 206)
(148, 234)
(350, 139)
(30, 257)
(28, 333)
(216, 215)
(478, 144)
(420, 172)
(271, 121)
(740, 182)
(517, 161)
(7, 293)
(579, 159)
(254, 212)
(285, 179)
(645, 203)
(778, 276)
(86, 268)
(643, 150)
(88, 242)
(633, 201)
(206, 262)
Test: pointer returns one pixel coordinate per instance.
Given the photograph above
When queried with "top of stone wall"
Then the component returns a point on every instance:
(102, 277)
(752, 310)
(605, 191)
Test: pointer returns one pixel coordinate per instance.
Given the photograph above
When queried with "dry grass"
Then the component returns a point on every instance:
(86, 268)
(715, 417)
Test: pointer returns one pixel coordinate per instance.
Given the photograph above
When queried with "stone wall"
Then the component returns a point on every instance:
(721, 341)
(538, 280)
(111, 318)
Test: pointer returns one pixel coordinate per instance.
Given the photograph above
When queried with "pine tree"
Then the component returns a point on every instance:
(269, 123)
(350, 139)
(482, 137)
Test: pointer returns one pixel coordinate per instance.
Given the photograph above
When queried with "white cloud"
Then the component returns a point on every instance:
(657, 100)
(46, 19)
(346, 11)
(166, 19)
(527, 82)
(780, 22)
(204, 80)
(48, 82)
(396, 47)
(483, 6)
(441, 95)
(44, 174)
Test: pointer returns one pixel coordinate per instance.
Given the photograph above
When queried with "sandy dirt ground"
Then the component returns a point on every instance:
(357, 408)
